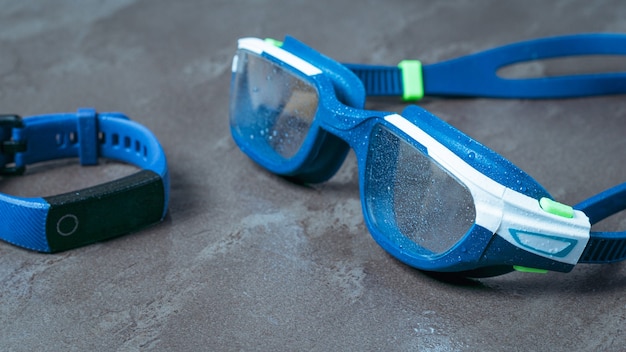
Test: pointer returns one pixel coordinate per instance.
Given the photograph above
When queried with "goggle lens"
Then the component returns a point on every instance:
(409, 197)
(270, 107)
(414, 201)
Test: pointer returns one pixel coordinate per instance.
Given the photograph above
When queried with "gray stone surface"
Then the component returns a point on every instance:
(248, 261)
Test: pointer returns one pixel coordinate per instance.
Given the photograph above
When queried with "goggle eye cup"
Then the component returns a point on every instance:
(411, 200)
(272, 112)
(271, 108)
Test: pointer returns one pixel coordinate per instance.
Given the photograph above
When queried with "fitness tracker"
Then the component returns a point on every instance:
(73, 219)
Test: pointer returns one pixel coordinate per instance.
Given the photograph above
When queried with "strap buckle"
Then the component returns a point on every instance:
(8, 146)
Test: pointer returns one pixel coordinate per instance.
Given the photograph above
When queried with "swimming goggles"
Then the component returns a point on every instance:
(432, 197)
(60, 222)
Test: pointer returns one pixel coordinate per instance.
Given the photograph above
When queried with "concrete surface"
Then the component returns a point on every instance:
(248, 261)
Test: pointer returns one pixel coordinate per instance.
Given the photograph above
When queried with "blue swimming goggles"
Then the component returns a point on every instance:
(432, 197)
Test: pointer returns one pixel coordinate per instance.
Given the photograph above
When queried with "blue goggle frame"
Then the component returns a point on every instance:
(517, 223)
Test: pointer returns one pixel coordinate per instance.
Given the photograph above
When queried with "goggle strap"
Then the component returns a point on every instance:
(404, 80)
(604, 247)
(379, 80)
(477, 74)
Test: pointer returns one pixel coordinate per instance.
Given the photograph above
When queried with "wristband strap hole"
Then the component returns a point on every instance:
(73, 137)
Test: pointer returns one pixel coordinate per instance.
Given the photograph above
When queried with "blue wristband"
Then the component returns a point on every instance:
(61, 222)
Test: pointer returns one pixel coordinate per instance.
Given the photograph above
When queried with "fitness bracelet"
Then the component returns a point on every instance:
(61, 222)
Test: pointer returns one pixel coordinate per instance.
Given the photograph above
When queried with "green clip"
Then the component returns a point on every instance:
(556, 208)
(412, 80)
(274, 42)
(524, 269)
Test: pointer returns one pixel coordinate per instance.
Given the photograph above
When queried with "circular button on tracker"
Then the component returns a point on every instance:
(77, 218)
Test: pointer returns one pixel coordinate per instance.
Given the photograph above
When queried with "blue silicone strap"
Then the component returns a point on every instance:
(476, 74)
(24, 222)
(88, 136)
(379, 80)
(604, 247)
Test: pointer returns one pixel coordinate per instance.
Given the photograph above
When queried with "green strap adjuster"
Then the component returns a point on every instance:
(274, 42)
(556, 208)
(412, 81)
(524, 269)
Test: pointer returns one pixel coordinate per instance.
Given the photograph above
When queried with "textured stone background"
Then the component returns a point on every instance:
(248, 261)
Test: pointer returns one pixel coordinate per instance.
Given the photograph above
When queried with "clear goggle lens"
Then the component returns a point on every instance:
(409, 197)
(412, 199)
(270, 107)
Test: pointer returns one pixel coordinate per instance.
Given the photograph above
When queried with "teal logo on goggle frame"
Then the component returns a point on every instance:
(546, 244)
